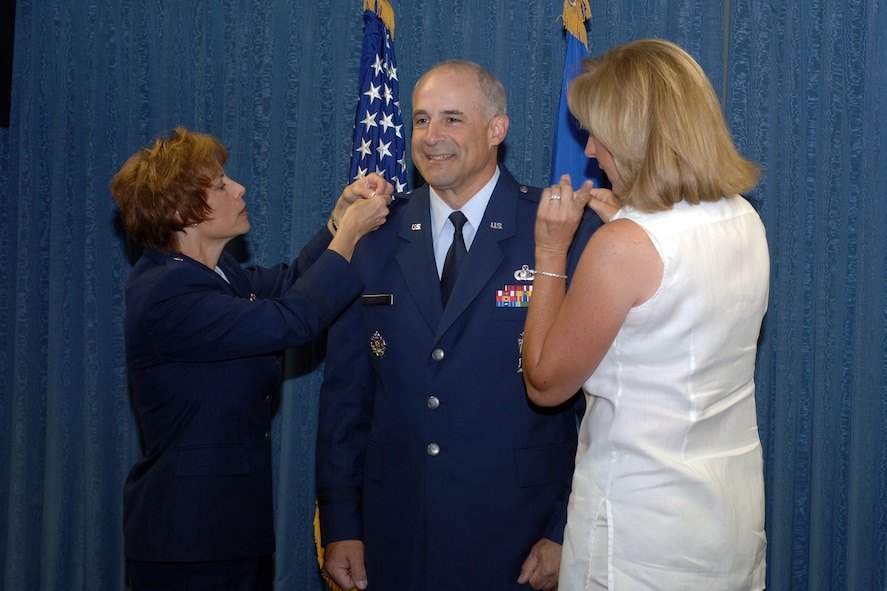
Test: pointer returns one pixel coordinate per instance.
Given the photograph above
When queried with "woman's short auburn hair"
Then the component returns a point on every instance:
(653, 108)
(162, 188)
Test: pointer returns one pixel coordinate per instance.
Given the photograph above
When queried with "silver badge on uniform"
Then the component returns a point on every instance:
(378, 345)
(524, 273)
(520, 353)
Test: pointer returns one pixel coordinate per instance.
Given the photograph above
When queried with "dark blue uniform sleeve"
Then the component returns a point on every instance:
(346, 402)
(195, 316)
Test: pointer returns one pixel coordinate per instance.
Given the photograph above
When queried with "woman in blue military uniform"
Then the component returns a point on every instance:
(204, 338)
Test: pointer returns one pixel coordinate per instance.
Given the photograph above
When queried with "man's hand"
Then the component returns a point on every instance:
(343, 563)
(541, 567)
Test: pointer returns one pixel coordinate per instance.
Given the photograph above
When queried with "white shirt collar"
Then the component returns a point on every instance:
(473, 209)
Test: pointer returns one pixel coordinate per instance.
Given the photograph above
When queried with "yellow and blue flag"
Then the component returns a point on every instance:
(568, 156)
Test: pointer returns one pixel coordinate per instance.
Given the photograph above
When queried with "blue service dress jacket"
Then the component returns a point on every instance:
(204, 360)
(428, 447)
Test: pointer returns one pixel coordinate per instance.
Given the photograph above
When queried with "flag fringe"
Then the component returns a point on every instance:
(386, 12)
(576, 12)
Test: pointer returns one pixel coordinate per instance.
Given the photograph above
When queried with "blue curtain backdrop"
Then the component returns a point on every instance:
(94, 80)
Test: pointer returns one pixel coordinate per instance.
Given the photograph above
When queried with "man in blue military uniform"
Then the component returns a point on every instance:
(434, 470)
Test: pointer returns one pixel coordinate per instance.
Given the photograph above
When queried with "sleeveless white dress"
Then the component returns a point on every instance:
(669, 457)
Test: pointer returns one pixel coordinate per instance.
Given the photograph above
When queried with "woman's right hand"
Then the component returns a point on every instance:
(558, 216)
(360, 218)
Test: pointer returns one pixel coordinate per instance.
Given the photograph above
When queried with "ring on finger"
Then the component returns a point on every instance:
(554, 197)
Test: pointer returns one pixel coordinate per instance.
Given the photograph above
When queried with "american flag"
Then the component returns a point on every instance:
(568, 155)
(379, 143)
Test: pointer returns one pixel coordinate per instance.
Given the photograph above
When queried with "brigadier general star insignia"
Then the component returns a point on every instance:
(378, 345)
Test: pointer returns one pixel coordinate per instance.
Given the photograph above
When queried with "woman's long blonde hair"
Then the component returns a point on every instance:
(650, 104)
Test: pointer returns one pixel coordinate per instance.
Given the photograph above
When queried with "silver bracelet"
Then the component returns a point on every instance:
(558, 275)
(525, 273)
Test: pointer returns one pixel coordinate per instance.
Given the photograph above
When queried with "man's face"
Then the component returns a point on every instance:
(454, 146)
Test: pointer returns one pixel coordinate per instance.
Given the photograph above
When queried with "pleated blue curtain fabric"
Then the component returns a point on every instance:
(809, 106)
(94, 80)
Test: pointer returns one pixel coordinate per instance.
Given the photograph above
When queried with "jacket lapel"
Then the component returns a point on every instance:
(416, 257)
(237, 279)
(485, 255)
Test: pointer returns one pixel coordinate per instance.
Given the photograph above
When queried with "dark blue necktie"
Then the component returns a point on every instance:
(455, 256)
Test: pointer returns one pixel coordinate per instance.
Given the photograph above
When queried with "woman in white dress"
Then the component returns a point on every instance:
(659, 328)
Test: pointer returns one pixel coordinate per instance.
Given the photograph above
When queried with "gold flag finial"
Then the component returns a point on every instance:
(576, 12)
(385, 12)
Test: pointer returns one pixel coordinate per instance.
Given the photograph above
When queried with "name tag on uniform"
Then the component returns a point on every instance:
(377, 299)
